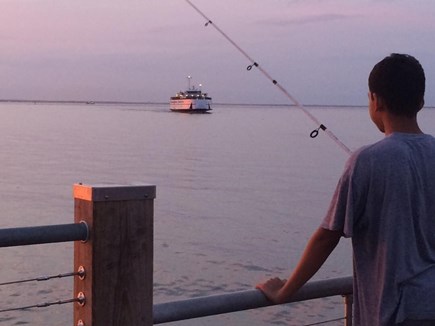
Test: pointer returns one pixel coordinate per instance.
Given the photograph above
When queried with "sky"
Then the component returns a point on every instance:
(320, 51)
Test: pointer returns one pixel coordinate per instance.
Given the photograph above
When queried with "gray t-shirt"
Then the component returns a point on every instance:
(385, 201)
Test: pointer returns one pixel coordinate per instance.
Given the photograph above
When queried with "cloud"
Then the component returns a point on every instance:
(306, 19)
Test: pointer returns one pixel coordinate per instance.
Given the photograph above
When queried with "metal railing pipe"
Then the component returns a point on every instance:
(243, 300)
(43, 234)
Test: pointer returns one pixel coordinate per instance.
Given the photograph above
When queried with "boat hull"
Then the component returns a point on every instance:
(190, 105)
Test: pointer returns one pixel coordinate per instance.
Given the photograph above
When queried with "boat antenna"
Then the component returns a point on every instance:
(253, 63)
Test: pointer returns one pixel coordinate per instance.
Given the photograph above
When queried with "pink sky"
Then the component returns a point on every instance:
(320, 51)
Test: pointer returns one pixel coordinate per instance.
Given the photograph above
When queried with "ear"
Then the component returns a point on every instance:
(378, 102)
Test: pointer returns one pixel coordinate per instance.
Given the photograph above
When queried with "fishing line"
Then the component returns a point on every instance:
(315, 132)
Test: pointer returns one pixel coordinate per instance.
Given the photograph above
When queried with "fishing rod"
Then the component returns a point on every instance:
(253, 63)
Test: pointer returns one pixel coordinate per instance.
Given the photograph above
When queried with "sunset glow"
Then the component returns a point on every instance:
(106, 50)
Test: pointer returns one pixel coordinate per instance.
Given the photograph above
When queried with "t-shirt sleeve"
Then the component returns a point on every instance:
(346, 203)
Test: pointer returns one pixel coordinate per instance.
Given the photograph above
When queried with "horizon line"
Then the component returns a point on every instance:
(91, 102)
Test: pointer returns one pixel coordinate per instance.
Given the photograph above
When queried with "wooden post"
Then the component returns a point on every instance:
(348, 308)
(117, 257)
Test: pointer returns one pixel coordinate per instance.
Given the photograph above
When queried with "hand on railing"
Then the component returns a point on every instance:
(272, 289)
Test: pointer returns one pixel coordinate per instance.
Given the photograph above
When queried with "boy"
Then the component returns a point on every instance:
(385, 202)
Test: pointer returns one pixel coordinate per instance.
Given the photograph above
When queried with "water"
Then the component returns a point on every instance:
(239, 191)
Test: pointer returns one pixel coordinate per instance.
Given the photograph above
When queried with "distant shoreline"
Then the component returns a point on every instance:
(167, 103)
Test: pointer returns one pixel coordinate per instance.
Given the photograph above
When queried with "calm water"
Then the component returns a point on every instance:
(239, 191)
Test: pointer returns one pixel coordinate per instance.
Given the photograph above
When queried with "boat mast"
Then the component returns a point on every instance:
(188, 82)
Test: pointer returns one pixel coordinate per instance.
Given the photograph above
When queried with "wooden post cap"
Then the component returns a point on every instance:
(107, 192)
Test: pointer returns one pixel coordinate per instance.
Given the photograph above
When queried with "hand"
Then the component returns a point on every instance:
(272, 289)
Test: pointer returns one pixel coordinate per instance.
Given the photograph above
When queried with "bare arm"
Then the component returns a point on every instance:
(319, 247)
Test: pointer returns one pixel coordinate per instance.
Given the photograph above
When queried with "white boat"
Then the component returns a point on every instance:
(193, 100)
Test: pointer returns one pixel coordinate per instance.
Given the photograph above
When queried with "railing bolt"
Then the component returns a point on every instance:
(81, 272)
(81, 299)
(80, 323)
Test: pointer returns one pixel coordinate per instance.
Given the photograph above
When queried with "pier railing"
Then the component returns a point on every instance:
(113, 253)
(113, 263)
(251, 299)
(43, 234)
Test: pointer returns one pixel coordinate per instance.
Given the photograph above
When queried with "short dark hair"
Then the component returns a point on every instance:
(399, 80)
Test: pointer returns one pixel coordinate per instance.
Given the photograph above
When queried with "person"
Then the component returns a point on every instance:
(384, 202)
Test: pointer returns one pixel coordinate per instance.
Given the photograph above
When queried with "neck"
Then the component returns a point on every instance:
(402, 124)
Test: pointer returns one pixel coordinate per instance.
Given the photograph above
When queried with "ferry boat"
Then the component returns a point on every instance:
(193, 100)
